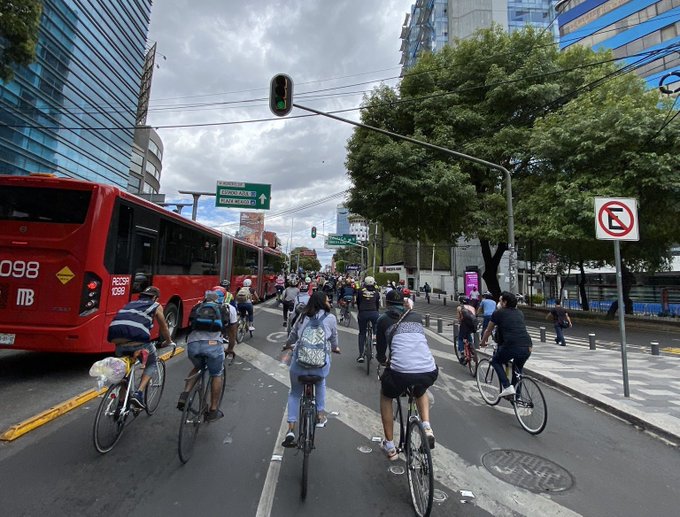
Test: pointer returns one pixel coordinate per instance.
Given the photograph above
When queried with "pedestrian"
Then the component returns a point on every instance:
(561, 321)
(427, 290)
(474, 297)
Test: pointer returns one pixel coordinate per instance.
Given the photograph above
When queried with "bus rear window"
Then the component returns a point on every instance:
(45, 205)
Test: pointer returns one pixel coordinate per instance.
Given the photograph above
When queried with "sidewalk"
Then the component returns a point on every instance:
(596, 376)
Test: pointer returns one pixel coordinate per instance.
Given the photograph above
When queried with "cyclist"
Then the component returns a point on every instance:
(513, 338)
(487, 308)
(317, 307)
(130, 331)
(401, 286)
(228, 297)
(368, 304)
(280, 286)
(329, 288)
(224, 297)
(408, 301)
(467, 325)
(245, 298)
(288, 299)
(346, 293)
(410, 364)
(204, 347)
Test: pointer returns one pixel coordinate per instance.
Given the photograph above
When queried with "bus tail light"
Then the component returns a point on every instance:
(91, 295)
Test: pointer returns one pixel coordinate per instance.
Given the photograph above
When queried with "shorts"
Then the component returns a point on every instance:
(394, 384)
(210, 352)
(151, 361)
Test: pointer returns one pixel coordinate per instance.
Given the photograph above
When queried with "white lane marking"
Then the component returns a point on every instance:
(493, 495)
(264, 507)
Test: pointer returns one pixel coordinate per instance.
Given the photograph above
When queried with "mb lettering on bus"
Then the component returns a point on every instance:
(119, 285)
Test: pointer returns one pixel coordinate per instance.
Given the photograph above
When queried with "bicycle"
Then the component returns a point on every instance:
(414, 443)
(528, 401)
(115, 411)
(195, 409)
(469, 354)
(368, 346)
(307, 425)
(243, 326)
(345, 313)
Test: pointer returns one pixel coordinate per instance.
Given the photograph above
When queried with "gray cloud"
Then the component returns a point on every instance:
(226, 52)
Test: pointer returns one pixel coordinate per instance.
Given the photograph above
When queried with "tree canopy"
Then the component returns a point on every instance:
(19, 24)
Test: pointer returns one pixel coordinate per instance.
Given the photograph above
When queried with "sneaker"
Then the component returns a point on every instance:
(213, 414)
(360, 359)
(251, 328)
(182, 400)
(462, 360)
(510, 390)
(285, 323)
(289, 441)
(389, 450)
(137, 400)
(322, 421)
(430, 435)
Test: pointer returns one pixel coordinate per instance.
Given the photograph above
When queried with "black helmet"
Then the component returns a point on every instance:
(150, 292)
(394, 297)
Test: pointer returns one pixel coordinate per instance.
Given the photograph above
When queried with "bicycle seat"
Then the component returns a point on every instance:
(309, 379)
(408, 392)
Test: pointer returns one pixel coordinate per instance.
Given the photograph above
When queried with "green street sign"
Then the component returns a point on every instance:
(234, 194)
(341, 240)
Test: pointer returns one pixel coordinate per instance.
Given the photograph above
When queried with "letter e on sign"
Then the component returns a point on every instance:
(616, 219)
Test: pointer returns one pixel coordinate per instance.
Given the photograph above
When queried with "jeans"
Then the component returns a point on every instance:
(248, 307)
(560, 335)
(363, 317)
(503, 355)
(288, 305)
(207, 352)
(485, 322)
(461, 337)
(296, 387)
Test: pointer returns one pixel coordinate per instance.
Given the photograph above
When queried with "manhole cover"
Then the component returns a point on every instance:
(527, 471)
(438, 496)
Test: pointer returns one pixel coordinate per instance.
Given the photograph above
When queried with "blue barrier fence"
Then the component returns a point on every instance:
(639, 309)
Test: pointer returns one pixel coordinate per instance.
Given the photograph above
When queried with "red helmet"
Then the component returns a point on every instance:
(406, 291)
(219, 289)
(402, 282)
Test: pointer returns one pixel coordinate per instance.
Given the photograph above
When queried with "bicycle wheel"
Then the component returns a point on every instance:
(459, 354)
(472, 360)
(308, 424)
(154, 390)
(488, 383)
(192, 416)
(224, 385)
(368, 348)
(530, 408)
(419, 469)
(241, 331)
(110, 419)
(347, 320)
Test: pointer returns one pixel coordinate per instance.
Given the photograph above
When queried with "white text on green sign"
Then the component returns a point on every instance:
(238, 194)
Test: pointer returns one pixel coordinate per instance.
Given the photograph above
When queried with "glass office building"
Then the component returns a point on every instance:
(642, 32)
(72, 112)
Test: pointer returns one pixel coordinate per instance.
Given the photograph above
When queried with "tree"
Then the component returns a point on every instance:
(481, 98)
(19, 24)
(306, 263)
(609, 142)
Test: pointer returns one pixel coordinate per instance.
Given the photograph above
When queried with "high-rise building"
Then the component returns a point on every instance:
(342, 220)
(433, 23)
(644, 32)
(72, 112)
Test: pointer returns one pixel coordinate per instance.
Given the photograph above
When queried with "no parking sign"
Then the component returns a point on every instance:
(616, 219)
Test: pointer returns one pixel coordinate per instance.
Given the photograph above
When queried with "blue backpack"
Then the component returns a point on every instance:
(207, 317)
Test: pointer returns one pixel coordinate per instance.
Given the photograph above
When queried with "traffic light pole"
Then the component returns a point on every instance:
(512, 266)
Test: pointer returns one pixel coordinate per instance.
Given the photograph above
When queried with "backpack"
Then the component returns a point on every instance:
(207, 317)
(469, 318)
(311, 346)
(243, 295)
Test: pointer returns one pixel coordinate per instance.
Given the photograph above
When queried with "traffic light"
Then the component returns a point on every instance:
(313, 232)
(281, 95)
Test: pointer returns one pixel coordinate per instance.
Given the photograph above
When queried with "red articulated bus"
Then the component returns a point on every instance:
(72, 253)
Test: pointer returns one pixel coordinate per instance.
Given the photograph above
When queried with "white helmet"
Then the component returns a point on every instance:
(247, 282)
(369, 280)
(308, 280)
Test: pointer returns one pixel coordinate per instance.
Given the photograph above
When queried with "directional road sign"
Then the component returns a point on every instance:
(341, 240)
(235, 194)
(616, 219)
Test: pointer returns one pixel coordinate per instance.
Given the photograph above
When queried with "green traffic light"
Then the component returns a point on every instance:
(281, 104)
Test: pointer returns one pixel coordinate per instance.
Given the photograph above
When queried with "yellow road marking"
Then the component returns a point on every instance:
(15, 431)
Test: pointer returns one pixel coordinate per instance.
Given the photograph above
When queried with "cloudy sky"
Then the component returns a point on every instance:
(215, 61)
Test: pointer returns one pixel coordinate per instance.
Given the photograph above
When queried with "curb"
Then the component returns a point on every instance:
(17, 430)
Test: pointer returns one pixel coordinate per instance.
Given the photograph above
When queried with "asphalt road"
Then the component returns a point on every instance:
(591, 463)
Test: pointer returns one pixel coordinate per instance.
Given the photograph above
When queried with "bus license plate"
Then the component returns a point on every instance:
(7, 339)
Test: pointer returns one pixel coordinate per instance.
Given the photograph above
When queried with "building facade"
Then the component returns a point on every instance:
(342, 220)
(643, 32)
(72, 112)
(431, 24)
(146, 163)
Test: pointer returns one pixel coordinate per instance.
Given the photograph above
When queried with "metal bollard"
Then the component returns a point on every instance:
(427, 320)
(455, 332)
(655, 347)
(439, 295)
(440, 325)
(542, 332)
(591, 340)
(451, 297)
(476, 339)
(445, 301)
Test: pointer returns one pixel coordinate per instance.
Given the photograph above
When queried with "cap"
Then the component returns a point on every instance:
(394, 297)
(211, 296)
(150, 292)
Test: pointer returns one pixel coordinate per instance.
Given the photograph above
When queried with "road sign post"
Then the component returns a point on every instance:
(234, 194)
(616, 219)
